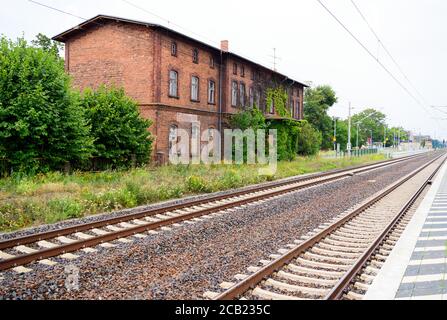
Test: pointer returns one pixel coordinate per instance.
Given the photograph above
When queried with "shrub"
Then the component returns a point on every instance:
(196, 184)
(117, 127)
(309, 140)
(287, 138)
(62, 209)
(41, 124)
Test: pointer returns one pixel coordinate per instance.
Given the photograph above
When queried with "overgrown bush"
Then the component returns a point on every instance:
(309, 139)
(287, 138)
(41, 123)
(293, 137)
(118, 130)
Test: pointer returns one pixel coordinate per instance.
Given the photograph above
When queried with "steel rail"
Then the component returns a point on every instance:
(9, 243)
(254, 279)
(339, 289)
(113, 235)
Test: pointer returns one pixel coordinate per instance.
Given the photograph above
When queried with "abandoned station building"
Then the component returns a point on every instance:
(169, 73)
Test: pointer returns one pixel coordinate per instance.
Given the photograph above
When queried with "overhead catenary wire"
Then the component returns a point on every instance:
(167, 45)
(387, 51)
(398, 66)
(375, 58)
(186, 29)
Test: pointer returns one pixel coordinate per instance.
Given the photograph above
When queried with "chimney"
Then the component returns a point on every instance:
(224, 45)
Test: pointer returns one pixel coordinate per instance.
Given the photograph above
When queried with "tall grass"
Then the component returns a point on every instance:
(47, 198)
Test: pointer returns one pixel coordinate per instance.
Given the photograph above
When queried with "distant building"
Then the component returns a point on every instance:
(169, 73)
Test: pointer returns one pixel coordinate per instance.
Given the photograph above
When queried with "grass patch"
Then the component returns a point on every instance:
(47, 198)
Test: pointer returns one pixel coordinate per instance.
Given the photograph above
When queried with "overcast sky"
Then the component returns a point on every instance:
(310, 43)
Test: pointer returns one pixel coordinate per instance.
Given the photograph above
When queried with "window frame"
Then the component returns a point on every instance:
(212, 62)
(176, 95)
(174, 49)
(272, 107)
(213, 101)
(242, 94)
(234, 93)
(243, 71)
(292, 107)
(195, 56)
(251, 97)
(193, 77)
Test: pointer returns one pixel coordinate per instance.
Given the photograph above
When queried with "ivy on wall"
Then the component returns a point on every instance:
(279, 98)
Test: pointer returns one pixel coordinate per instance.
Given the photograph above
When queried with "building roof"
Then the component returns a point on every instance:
(64, 36)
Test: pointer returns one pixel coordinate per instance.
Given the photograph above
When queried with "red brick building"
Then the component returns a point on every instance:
(170, 74)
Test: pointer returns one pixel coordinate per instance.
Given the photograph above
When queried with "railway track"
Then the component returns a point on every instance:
(338, 260)
(18, 252)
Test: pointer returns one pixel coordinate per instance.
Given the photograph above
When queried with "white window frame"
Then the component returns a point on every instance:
(173, 83)
(211, 92)
(195, 88)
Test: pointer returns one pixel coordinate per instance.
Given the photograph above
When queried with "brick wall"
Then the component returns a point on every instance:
(139, 59)
(115, 53)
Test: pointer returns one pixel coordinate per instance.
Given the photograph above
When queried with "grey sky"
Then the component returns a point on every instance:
(311, 45)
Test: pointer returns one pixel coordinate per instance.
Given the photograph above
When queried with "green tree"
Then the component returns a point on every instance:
(117, 127)
(395, 133)
(370, 122)
(41, 123)
(317, 102)
(309, 139)
(46, 44)
(252, 118)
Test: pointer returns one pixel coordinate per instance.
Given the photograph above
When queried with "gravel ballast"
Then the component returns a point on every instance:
(189, 260)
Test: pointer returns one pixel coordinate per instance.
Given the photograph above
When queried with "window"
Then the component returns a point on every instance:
(195, 56)
(174, 49)
(234, 94)
(292, 108)
(235, 68)
(242, 71)
(194, 88)
(173, 130)
(211, 62)
(271, 107)
(252, 74)
(258, 98)
(298, 108)
(242, 94)
(211, 92)
(251, 97)
(173, 83)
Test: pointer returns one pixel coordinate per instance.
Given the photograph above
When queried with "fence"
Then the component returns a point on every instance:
(357, 153)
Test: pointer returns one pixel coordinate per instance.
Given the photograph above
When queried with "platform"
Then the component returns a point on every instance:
(417, 267)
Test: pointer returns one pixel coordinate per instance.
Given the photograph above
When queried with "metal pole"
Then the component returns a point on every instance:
(349, 131)
(384, 137)
(358, 127)
(335, 134)
(394, 138)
